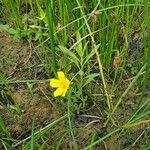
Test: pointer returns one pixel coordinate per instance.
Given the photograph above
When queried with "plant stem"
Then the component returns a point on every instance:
(50, 19)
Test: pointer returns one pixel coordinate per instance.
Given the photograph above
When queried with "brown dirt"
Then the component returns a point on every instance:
(18, 60)
(26, 108)
(11, 51)
(18, 106)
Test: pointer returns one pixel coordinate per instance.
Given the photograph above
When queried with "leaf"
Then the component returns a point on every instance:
(8, 29)
(41, 13)
(2, 125)
(71, 54)
(91, 54)
(4, 27)
(43, 131)
(78, 47)
(136, 124)
(90, 77)
(30, 87)
(85, 47)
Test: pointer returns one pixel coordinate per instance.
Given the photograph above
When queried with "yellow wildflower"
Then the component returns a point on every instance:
(62, 84)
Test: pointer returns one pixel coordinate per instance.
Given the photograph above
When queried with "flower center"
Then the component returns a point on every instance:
(63, 84)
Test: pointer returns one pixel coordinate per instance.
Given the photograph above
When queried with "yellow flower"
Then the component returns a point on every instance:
(62, 84)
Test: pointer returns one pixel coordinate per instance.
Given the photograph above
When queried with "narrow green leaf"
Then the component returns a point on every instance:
(32, 135)
(78, 47)
(101, 139)
(71, 54)
(38, 135)
(92, 53)
(43, 146)
(30, 87)
(8, 29)
(2, 125)
(51, 27)
(90, 77)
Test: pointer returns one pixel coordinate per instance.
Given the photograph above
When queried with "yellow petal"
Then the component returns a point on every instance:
(58, 92)
(68, 82)
(64, 92)
(54, 83)
(60, 75)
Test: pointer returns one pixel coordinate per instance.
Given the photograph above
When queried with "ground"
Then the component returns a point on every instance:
(19, 109)
(20, 105)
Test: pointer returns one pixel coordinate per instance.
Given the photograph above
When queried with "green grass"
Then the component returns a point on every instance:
(81, 38)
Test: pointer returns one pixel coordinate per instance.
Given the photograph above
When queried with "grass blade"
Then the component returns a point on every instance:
(50, 19)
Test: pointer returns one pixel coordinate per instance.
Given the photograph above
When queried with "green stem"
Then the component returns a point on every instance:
(147, 70)
(125, 93)
(70, 124)
(23, 81)
(98, 58)
(50, 19)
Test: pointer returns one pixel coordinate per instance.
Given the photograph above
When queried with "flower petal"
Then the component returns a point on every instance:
(60, 75)
(54, 83)
(64, 92)
(68, 82)
(58, 92)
